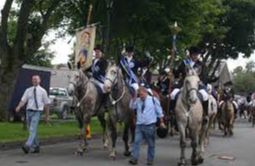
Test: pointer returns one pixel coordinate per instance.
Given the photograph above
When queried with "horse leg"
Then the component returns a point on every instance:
(196, 157)
(182, 130)
(207, 134)
(125, 139)
(202, 136)
(171, 120)
(102, 121)
(83, 141)
(231, 126)
(113, 132)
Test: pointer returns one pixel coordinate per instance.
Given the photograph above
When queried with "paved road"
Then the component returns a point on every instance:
(241, 146)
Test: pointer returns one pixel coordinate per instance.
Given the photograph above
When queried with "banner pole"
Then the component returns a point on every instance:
(89, 14)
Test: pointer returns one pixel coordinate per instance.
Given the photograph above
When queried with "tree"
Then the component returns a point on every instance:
(244, 79)
(250, 66)
(33, 18)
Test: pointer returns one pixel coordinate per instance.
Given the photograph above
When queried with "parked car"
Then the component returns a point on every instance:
(61, 102)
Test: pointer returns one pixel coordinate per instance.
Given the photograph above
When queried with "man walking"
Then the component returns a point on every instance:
(148, 109)
(36, 100)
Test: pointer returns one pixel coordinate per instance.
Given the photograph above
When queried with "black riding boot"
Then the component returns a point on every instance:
(172, 105)
(106, 101)
(172, 114)
(205, 113)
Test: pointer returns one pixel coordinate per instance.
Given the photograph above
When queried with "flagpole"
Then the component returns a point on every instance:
(89, 14)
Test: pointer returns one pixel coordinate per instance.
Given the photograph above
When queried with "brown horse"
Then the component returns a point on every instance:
(228, 117)
(252, 112)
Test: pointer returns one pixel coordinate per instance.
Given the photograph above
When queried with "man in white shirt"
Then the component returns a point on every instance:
(37, 101)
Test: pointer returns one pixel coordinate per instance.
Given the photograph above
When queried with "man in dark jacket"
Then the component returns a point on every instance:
(192, 61)
(130, 66)
(98, 67)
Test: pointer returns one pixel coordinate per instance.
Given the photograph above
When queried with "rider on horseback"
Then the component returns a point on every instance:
(228, 94)
(163, 82)
(98, 67)
(191, 61)
(130, 66)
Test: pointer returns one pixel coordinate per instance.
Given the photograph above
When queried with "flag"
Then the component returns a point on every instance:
(85, 41)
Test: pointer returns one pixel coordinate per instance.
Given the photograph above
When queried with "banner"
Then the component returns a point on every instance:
(85, 41)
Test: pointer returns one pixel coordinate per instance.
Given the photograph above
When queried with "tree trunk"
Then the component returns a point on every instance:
(7, 83)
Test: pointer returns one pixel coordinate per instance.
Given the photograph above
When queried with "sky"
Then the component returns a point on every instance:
(63, 47)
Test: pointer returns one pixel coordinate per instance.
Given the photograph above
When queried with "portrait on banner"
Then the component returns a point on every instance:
(85, 41)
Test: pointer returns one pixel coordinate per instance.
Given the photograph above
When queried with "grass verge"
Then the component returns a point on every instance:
(12, 132)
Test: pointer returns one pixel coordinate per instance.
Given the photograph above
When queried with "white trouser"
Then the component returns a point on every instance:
(174, 93)
(101, 85)
(135, 86)
(234, 102)
(204, 94)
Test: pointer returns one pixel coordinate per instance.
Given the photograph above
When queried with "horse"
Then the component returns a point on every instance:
(251, 110)
(88, 104)
(212, 113)
(243, 109)
(227, 116)
(120, 98)
(189, 114)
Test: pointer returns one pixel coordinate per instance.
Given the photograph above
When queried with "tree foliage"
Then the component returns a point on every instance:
(244, 78)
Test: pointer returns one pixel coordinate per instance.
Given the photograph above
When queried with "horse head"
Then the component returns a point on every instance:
(111, 77)
(77, 81)
(190, 86)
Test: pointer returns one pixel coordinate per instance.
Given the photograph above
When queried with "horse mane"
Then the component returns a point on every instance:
(191, 71)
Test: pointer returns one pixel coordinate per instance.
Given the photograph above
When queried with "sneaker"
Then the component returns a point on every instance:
(36, 150)
(149, 162)
(25, 149)
(133, 162)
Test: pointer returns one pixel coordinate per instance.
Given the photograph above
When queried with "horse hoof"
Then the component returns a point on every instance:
(198, 161)
(113, 157)
(105, 147)
(181, 164)
(78, 153)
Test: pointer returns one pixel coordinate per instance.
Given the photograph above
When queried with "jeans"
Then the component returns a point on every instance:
(33, 118)
(147, 133)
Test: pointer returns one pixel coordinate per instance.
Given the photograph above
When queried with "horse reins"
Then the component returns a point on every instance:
(82, 99)
(114, 101)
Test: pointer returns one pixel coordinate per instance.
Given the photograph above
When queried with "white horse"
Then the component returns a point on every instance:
(189, 114)
(212, 113)
(120, 97)
(89, 104)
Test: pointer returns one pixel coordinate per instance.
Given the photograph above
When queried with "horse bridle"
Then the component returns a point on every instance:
(76, 97)
(114, 101)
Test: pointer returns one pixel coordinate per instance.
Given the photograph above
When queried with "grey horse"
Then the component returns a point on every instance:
(120, 97)
(88, 104)
(189, 114)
